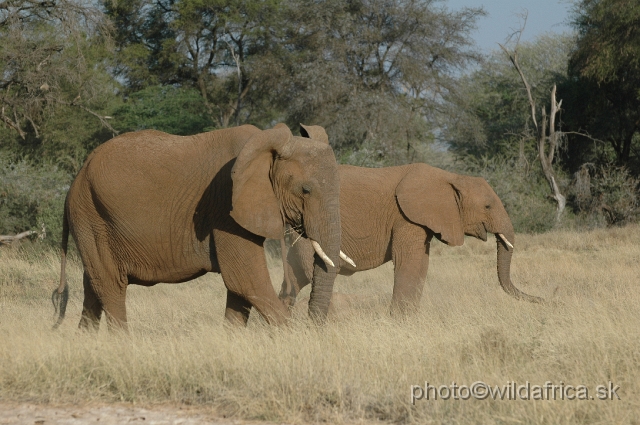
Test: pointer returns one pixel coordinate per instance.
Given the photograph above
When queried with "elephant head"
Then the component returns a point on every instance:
(281, 179)
(453, 205)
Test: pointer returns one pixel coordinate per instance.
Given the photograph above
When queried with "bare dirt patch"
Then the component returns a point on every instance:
(107, 414)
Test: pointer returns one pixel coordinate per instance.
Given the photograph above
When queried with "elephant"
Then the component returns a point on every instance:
(149, 207)
(392, 214)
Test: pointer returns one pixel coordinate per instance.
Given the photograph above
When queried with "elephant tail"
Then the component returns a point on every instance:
(60, 296)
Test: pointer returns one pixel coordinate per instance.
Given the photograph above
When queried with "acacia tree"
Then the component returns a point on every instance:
(47, 60)
(219, 47)
(375, 72)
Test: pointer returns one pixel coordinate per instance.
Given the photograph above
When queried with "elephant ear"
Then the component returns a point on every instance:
(254, 203)
(314, 132)
(427, 197)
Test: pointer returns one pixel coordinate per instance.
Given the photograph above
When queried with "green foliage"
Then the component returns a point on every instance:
(617, 193)
(609, 42)
(51, 57)
(166, 108)
(374, 72)
(222, 48)
(605, 83)
(404, 144)
(66, 138)
(491, 113)
(32, 198)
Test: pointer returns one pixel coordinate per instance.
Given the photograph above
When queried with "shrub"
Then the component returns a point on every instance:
(166, 108)
(32, 198)
(605, 195)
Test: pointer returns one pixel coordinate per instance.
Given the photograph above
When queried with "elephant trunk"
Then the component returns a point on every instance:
(504, 269)
(327, 236)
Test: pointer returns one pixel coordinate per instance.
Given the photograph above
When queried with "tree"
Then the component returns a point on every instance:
(219, 47)
(375, 73)
(490, 112)
(47, 61)
(605, 82)
(546, 154)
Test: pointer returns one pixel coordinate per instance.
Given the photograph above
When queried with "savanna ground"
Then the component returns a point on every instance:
(359, 368)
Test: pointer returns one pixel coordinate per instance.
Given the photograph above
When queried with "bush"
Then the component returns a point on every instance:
(32, 198)
(166, 108)
(607, 195)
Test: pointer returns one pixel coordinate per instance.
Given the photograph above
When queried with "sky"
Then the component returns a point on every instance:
(502, 19)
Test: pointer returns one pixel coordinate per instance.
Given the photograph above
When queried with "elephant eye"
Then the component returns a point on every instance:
(306, 189)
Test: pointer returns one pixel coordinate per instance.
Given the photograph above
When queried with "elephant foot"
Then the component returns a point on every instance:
(237, 310)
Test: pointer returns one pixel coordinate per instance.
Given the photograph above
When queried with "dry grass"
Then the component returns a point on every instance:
(360, 366)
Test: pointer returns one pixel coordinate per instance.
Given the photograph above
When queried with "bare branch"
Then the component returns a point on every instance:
(514, 60)
(6, 239)
(518, 33)
(238, 102)
(12, 124)
(587, 135)
(553, 135)
(34, 126)
(103, 118)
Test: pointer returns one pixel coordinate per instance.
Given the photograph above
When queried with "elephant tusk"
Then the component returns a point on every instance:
(347, 259)
(321, 254)
(504, 239)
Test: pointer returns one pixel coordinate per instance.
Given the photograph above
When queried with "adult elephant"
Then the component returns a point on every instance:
(391, 214)
(150, 207)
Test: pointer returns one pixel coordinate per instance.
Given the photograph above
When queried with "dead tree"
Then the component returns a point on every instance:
(542, 136)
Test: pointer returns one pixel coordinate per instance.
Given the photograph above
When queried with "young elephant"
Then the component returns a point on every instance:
(150, 207)
(391, 214)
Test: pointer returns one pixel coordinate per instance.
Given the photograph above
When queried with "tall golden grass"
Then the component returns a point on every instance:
(361, 365)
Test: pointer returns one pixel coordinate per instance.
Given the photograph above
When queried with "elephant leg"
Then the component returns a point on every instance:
(96, 300)
(244, 271)
(410, 253)
(91, 307)
(115, 309)
(237, 310)
(105, 287)
(103, 295)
